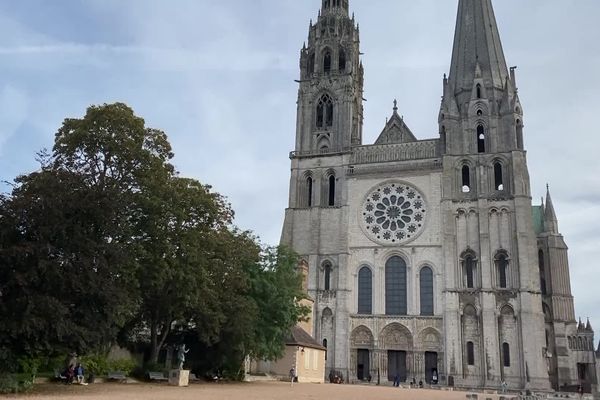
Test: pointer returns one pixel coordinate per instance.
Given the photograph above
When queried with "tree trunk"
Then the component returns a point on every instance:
(153, 342)
(157, 340)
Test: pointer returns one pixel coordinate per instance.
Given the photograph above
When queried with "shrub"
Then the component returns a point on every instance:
(96, 364)
(30, 366)
(15, 383)
(126, 365)
(99, 365)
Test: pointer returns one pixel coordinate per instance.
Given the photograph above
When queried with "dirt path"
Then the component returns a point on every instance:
(242, 391)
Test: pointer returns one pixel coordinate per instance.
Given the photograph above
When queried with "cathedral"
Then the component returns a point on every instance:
(426, 258)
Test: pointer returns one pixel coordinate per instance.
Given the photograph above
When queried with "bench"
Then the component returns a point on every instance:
(157, 376)
(117, 376)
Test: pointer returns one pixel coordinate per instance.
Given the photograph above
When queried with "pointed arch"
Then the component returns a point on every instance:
(396, 286)
(325, 111)
(506, 354)
(327, 61)
(426, 291)
(502, 268)
(361, 337)
(481, 138)
(498, 176)
(331, 190)
(342, 60)
(470, 353)
(365, 291)
(478, 91)
(466, 178)
(469, 262)
(396, 336)
(323, 145)
(309, 191)
(305, 193)
(327, 269)
(311, 63)
(519, 133)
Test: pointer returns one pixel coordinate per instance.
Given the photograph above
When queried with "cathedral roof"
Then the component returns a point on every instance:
(396, 130)
(538, 219)
(299, 337)
(477, 51)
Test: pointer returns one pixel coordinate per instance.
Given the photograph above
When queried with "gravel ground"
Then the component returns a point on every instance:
(241, 391)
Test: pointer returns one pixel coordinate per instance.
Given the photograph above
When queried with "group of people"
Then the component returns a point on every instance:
(74, 372)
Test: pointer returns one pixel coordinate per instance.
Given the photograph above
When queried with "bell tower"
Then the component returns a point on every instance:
(330, 110)
(493, 286)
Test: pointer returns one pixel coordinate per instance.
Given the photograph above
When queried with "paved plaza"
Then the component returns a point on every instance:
(241, 391)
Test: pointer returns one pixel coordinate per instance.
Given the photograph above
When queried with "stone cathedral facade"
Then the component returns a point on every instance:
(426, 258)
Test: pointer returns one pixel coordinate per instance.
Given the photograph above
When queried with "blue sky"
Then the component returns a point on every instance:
(217, 76)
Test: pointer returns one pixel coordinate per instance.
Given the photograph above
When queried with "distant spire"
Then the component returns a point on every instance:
(477, 47)
(588, 326)
(395, 106)
(550, 220)
(543, 205)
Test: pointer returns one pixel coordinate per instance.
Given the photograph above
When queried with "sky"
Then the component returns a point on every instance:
(218, 77)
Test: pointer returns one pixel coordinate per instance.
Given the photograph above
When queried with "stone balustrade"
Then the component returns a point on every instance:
(420, 150)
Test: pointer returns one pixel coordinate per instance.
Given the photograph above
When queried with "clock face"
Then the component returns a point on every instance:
(393, 213)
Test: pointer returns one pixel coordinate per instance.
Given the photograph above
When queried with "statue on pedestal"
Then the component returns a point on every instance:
(181, 352)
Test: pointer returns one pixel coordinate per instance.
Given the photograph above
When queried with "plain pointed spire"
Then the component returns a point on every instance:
(477, 47)
(550, 220)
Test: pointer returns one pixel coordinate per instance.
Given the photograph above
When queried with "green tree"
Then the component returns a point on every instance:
(181, 223)
(258, 306)
(276, 289)
(106, 238)
(68, 251)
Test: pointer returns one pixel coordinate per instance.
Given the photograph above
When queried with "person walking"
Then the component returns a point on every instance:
(293, 376)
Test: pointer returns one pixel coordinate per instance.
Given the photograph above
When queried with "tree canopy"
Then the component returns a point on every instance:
(107, 241)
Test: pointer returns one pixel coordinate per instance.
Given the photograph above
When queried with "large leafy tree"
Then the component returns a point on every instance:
(68, 254)
(107, 238)
(180, 225)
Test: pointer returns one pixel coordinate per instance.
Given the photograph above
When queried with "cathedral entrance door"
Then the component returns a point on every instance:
(397, 365)
(431, 365)
(362, 364)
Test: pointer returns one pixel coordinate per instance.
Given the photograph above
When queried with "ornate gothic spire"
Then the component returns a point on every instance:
(477, 48)
(550, 220)
(335, 6)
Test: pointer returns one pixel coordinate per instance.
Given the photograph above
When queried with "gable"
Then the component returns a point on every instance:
(395, 131)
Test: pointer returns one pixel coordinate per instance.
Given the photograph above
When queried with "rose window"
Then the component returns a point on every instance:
(393, 213)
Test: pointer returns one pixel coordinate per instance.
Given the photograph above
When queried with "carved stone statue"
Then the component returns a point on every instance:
(181, 352)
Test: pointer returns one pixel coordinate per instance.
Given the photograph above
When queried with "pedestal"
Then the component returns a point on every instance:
(179, 377)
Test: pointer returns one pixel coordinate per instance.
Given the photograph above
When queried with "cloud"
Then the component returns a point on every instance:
(14, 108)
(217, 76)
(148, 58)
